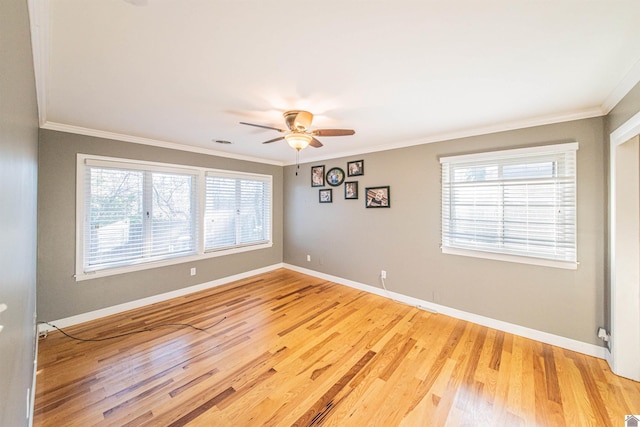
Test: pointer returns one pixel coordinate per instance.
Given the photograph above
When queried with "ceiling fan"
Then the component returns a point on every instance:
(298, 133)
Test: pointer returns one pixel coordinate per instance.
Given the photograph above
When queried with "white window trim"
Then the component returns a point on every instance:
(492, 155)
(94, 160)
(489, 155)
(568, 265)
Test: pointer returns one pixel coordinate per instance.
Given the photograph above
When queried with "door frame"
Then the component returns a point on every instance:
(624, 344)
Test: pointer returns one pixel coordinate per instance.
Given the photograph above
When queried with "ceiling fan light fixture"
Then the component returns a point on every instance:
(298, 141)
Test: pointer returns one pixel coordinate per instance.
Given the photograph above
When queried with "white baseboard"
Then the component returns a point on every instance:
(534, 334)
(545, 337)
(108, 311)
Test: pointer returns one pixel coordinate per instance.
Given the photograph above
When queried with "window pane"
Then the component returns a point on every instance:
(237, 212)
(252, 212)
(220, 212)
(521, 204)
(172, 219)
(135, 213)
(115, 216)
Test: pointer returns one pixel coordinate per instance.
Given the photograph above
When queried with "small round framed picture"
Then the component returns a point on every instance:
(335, 177)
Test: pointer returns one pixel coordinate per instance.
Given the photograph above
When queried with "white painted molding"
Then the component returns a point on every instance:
(520, 124)
(568, 343)
(502, 127)
(108, 311)
(622, 89)
(626, 131)
(622, 357)
(40, 37)
(61, 127)
(545, 337)
(39, 17)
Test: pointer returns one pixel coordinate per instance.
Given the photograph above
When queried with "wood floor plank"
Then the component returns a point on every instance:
(284, 348)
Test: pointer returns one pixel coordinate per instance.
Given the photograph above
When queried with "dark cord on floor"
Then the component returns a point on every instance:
(149, 329)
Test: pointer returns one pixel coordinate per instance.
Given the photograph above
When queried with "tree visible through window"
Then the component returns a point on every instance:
(134, 213)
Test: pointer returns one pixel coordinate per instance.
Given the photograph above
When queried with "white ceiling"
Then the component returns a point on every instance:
(399, 72)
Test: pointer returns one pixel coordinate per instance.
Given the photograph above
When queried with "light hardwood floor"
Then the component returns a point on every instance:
(290, 349)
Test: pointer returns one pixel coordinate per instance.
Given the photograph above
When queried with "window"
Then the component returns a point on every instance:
(516, 205)
(237, 211)
(134, 213)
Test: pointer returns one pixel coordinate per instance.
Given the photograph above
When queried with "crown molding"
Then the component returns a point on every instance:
(623, 88)
(466, 133)
(39, 20)
(61, 127)
(39, 13)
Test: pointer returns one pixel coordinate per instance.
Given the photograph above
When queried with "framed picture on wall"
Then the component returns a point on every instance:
(355, 168)
(335, 176)
(351, 190)
(317, 176)
(378, 197)
(326, 195)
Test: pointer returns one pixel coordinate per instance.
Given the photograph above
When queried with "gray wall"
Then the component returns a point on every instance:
(18, 179)
(347, 240)
(59, 295)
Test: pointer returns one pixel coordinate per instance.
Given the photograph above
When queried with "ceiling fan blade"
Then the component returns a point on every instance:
(333, 132)
(315, 143)
(262, 126)
(273, 140)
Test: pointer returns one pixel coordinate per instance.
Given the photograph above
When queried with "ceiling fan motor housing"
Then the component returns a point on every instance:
(298, 120)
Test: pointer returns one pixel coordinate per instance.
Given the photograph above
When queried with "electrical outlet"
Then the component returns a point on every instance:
(383, 274)
(308, 258)
(603, 335)
(193, 271)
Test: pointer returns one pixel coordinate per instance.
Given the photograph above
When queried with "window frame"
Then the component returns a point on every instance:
(230, 175)
(494, 156)
(200, 254)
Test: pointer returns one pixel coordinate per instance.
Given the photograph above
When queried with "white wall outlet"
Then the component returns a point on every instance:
(383, 274)
(193, 271)
(602, 334)
(308, 258)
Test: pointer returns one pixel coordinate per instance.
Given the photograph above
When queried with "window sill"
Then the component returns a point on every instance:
(81, 275)
(567, 265)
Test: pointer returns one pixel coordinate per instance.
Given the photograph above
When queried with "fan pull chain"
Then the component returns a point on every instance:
(297, 161)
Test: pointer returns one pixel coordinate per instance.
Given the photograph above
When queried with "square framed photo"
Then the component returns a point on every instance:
(351, 190)
(378, 197)
(326, 195)
(317, 176)
(355, 168)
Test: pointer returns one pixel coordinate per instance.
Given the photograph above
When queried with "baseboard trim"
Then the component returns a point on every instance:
(534, 334)
(116, 309)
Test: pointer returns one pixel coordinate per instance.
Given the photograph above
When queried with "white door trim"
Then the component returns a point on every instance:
(624, 344)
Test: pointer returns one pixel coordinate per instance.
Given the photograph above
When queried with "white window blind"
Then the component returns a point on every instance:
(134, 215)
(517, 202)
(237, 210)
